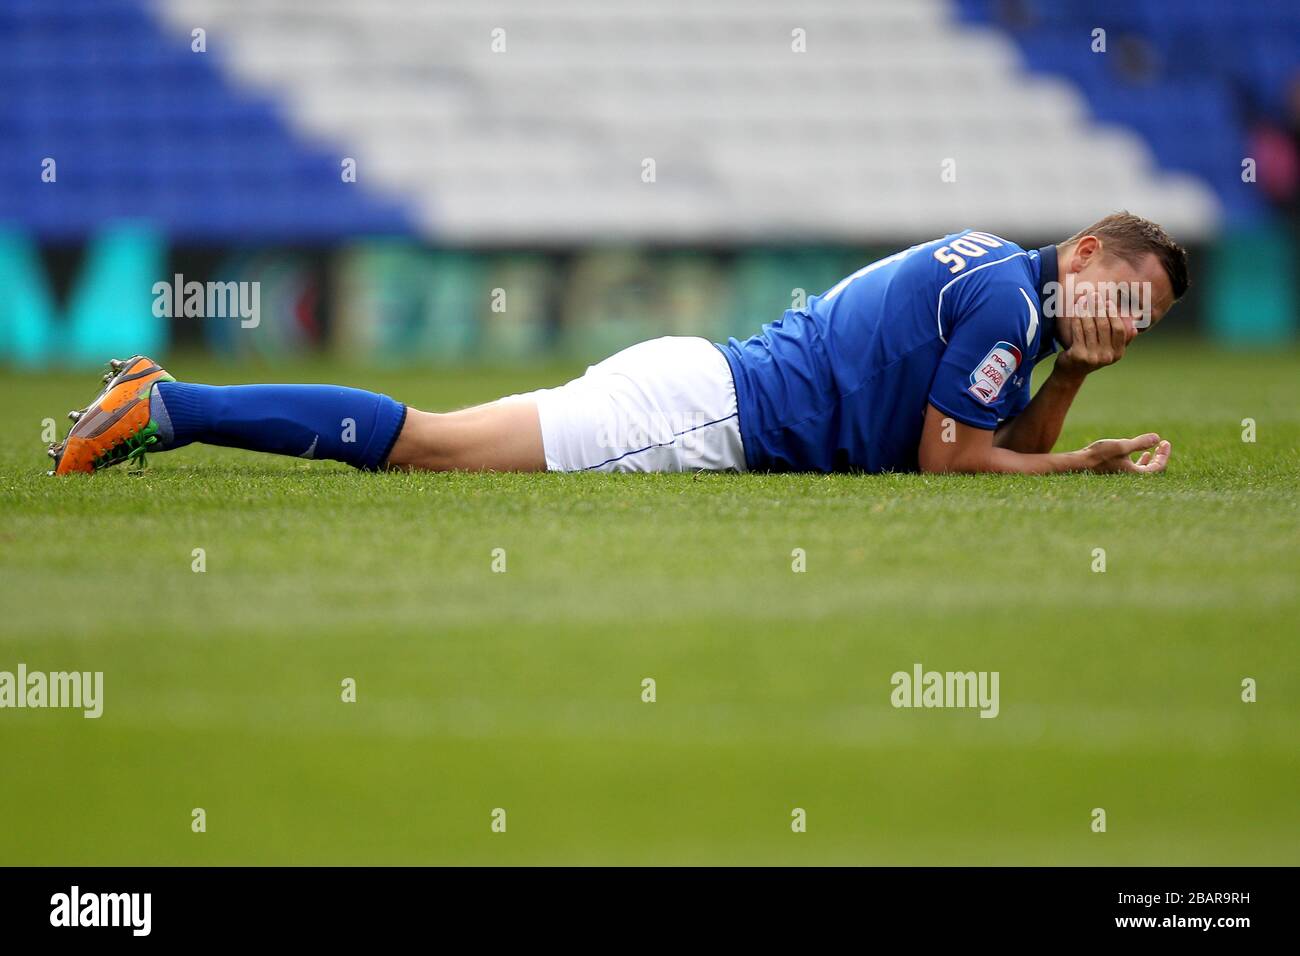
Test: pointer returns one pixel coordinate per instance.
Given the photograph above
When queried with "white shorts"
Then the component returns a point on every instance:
(664, 405)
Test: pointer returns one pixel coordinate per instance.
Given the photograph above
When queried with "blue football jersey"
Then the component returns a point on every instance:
(843, 383)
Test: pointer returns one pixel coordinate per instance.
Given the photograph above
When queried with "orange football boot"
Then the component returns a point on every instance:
(116, 426)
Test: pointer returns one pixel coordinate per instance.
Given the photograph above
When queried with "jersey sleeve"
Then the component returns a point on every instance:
(992, 323)
(1019, 399)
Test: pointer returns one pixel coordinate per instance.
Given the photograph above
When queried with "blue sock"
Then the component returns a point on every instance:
(309, 421)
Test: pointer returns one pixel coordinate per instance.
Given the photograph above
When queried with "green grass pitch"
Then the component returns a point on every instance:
(522, 690)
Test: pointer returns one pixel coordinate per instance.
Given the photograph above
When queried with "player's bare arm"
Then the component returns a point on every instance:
(948, 446)
(1096, 341)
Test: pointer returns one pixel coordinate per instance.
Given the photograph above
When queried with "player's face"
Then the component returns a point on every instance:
(1098, 271)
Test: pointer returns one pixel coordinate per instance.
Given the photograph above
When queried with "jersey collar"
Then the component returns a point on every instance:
(1048, 272)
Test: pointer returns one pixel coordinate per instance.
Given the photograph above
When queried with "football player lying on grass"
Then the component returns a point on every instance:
(920, 361)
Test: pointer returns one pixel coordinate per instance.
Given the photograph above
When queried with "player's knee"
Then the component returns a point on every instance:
(423, 443)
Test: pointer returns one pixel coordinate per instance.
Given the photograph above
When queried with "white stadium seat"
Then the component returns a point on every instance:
(750, 139)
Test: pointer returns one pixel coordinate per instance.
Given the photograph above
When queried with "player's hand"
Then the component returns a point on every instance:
(1099, 334)
(1111, 455)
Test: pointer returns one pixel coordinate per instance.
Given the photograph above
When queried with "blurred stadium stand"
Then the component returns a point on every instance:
(544, 141)
(142, 128)
(1187, 76)
(783, 168)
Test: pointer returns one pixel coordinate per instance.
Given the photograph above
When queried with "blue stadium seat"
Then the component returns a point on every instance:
(140, 126)
(1201, 88)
